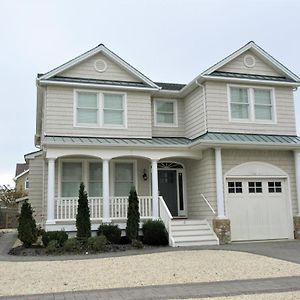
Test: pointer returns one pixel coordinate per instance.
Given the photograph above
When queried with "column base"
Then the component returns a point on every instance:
(297, 227)
(221, 228)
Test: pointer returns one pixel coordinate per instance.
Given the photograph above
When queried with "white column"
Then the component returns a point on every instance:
(105, 190)
(297, 169)
(51, 191)
(219, 183)
(154, 189)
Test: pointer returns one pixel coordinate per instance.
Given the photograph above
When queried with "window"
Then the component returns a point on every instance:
(95, 179)
(113, 111)
(26, 183)
(274, 187)
(71, 178)
(235, 187)
(165, 112)
(124, 178)
(255, 187)
(97, 109)
(87, 108)
(251, 104)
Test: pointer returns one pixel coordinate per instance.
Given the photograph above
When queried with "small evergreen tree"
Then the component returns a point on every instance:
(83, 221)
(133, 215)
(27, 231)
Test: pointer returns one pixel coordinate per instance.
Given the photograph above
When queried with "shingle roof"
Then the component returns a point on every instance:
(250, 76)
(20, 168)
(207, 138)
(98, 81)
(170, 86)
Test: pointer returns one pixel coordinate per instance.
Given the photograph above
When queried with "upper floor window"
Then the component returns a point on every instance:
(165, 113)
(97, 109)
(26, 183)
(251, 104)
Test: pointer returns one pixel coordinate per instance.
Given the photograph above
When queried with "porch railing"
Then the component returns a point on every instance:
(66, 207)
(166, 217)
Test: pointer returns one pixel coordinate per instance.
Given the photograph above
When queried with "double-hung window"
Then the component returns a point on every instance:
(71, 178)
(97, 109)
(251, 104)
(95, 179)
(165, 113)
(124, 178)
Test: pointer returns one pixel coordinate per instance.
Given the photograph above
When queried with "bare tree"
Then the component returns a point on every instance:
(8, 195)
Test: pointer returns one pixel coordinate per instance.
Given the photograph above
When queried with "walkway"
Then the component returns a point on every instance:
(180, 291)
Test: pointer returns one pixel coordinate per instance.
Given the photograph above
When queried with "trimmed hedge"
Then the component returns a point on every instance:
(155, 233)
(60, 236)
(72, 245)
(96, 243)
(111, 232)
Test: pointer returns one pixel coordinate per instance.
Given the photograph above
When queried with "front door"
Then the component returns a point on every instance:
(167, 186)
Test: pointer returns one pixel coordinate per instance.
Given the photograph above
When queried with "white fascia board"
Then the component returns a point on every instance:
(113, 56)
(33, 154)
(21, 174)
(251, 81)
(94, 85)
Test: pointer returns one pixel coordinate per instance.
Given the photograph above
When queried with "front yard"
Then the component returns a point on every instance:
(139, 270)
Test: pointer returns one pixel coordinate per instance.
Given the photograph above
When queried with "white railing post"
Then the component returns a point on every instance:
(105, 189)
(297, 171)
(154, 189)
(219, 183)
(51, 191)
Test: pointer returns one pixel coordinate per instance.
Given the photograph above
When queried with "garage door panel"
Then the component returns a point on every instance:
(259, 214)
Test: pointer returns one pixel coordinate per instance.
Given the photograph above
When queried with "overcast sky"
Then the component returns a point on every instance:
(171, 41)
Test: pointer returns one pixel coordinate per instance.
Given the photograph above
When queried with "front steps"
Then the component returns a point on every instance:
(192, 233)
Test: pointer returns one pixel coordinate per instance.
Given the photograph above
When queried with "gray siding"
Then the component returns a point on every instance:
(237, 66)
(218, 114)
(36, 183)
(194, 113)
(86, 69)
(59, 115)
(170, 131)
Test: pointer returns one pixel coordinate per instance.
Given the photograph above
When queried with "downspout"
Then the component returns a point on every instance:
(204, 103)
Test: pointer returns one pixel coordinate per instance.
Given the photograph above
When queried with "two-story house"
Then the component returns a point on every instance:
(214, 157)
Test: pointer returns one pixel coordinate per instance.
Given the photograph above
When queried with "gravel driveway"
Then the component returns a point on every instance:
(131, 271)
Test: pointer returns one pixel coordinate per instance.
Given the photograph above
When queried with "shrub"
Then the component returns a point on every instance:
(72, 245)
(83, 221)
(111, 232)
(59, 236)
(96, 243)
(155, 233)
(27, 231)
(133, 216)
(137, 244)
(52, 246)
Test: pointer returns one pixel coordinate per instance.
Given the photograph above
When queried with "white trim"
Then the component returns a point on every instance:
(251, 104)
(100, 110)
(219, 184)
(175, 112)
(33, 155)
(253, 61)
(22, 199)
(104, 65)
(21, 174)
(110, 54)
(297, 174)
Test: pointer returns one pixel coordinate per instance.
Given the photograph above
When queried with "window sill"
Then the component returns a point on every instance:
(253, 122)
(166, 125)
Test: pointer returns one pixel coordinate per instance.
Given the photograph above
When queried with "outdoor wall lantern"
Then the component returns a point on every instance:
(145, 177)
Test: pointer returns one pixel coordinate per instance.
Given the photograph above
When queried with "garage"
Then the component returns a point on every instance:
(258, 205)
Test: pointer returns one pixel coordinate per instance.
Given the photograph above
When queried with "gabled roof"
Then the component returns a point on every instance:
(99, 49)
(20, 168)
(261, 53)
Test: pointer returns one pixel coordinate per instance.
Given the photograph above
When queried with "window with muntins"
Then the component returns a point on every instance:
(255, 187)
(235, 187)
(97, 109)
(274, 187)
(165, 112)
(251, 104)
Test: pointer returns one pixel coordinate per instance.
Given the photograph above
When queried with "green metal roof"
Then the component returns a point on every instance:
(207, 138)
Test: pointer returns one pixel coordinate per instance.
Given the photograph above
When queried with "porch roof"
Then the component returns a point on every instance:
(209, 137)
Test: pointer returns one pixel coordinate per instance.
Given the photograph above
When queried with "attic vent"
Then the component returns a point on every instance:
(100, 65)
(249, 61)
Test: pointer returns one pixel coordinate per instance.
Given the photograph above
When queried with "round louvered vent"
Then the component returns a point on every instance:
(100, 65)
(249, 61)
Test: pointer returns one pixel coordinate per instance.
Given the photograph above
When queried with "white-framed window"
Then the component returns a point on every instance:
(123, 178)
(235, 187)
(100, 109)
(71, 178)
(165, 113)
(274, 187)
(255, 187)
(251, 104)
(26, 184)
(95, 179)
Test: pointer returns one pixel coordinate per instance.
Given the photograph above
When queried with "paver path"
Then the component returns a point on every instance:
(180, 291)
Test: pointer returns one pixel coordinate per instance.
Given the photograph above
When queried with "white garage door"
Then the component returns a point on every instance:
(257, 209)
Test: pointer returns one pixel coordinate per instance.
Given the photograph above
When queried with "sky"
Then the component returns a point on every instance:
(168, 41)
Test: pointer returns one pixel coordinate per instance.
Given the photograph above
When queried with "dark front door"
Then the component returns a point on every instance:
(167, 186)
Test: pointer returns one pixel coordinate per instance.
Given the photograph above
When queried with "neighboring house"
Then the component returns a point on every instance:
(21, 180)
(220, 152)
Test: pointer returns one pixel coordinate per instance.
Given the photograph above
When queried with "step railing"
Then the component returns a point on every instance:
(208, 204)
(166, 217)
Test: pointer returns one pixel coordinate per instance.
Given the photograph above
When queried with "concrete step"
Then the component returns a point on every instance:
(206, 232)
(193, 238)
(196, 243)
(188, 222)
(176, 227)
